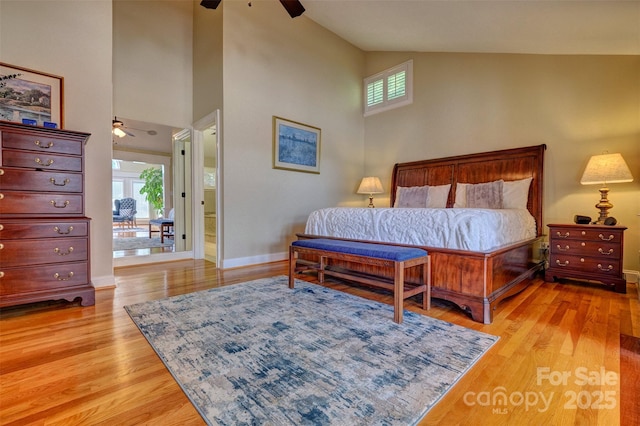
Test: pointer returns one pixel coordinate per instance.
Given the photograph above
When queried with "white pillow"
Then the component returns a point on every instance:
(515, 194)
(437, 197)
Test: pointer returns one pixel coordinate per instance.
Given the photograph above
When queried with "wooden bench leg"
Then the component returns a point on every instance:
(292, 266)
(398, 292)
(323, 263)
(426, 280)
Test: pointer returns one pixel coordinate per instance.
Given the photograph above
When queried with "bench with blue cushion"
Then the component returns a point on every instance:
(367, 254)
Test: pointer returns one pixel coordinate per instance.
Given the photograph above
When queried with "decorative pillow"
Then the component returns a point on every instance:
(461, 195)
(437, 196)
(485, 195)
(515, 193)
(411, 196)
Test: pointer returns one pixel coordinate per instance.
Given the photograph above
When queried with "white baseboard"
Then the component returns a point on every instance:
(106, 281)
(253, 260)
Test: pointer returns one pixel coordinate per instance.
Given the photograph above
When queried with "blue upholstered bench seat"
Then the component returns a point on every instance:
(380, 251)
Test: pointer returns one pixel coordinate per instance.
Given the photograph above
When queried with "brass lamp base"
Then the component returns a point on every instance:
(371, 206)
(604, 205)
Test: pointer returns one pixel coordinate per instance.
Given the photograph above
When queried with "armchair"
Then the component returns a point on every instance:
(125, 212)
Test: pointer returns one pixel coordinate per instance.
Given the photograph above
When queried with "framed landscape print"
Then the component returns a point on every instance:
(296, 146)
(30, 95)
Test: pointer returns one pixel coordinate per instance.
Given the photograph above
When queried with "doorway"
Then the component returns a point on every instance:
(207, 144)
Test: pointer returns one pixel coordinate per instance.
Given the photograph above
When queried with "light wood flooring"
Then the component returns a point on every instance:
(61, 364)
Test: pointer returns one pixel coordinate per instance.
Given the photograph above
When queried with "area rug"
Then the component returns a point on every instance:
(134, 243)
(130, 229)
(261, 353)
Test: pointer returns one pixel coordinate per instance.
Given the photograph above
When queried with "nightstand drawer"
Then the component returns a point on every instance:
(40, 160)
(595, 234)
(42, 278)
(586, 264)
(50, 250)
(586, 248)
(21, 229)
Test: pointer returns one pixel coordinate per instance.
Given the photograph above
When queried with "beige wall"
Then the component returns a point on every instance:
(577, 105)
(295, 69)
(207, 60)
(152, 61)
(73, 39)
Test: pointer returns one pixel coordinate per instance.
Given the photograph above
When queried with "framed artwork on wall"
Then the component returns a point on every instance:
(296, 146)
(30, 96)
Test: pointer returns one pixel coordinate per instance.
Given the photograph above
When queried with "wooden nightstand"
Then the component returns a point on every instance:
(587, 252)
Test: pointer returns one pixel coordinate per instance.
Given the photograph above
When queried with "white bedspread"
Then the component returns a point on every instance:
(462, 229)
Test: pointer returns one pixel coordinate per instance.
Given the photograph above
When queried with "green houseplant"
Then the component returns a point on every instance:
(153, 187)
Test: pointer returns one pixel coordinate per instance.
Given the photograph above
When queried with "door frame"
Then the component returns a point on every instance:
(199, 127)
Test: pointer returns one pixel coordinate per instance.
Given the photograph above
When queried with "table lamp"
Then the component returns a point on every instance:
(604, 169)
(370, 185)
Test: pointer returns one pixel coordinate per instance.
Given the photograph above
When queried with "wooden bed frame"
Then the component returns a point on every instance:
(476, 281)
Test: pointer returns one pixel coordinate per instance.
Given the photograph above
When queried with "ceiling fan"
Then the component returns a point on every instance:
(120, 130)
(293, 7)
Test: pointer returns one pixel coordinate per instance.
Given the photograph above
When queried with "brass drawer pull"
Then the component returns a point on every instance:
(566, 234)
(47, 164)
(566, 248)
(608, 269)
(39, 144)
(55, 204)
(58, 277)
(61, 253)
(1, 227)
(605, 252)
(1, 196)
(1, 274)
(1, 246)
(605, 239)
(69, 229)
(566, 263)
(1, 172)
(64, 182)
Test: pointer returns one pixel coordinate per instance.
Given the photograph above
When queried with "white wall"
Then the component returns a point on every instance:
(73, 39)
(291, 68)
(577, 105)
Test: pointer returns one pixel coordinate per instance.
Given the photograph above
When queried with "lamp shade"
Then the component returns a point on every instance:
(370, 185)
(606, 168)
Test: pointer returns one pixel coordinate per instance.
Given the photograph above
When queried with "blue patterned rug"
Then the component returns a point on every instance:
(261, 353)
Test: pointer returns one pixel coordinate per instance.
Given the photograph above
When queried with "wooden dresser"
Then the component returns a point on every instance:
(44, 233)
(587, 252)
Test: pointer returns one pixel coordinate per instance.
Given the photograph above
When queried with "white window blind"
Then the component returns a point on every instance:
(389, 89)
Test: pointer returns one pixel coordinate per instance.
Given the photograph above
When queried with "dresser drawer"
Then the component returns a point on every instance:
(41, 142)
(36, 180)
(42, 161)
(20, 228)
(41, 278)
(55, 250)
(586, 264)
(32, 204)
(586, 233)
(586, 248)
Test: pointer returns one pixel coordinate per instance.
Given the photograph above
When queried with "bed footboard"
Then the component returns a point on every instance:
(475, 282)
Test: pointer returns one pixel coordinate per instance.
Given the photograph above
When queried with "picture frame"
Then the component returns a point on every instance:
(296, 146)
(26, 94)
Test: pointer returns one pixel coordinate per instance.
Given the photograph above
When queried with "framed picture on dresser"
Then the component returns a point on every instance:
(26, 94)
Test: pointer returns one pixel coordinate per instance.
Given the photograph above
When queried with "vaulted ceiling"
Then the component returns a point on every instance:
(492, 26)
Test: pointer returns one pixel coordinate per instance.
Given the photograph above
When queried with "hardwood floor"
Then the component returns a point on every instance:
(64, 364)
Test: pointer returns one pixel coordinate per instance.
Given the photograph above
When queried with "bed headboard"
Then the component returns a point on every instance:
(507, 164)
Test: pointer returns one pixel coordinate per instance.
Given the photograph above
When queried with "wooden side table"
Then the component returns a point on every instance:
(587, 252)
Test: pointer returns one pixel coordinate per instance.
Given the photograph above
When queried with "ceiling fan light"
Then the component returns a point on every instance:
(118, 132)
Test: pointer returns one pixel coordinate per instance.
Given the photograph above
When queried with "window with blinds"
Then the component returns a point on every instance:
(389, 89)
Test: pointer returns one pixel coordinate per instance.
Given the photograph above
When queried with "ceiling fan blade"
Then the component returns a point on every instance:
(210, 4)
(294, 7)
